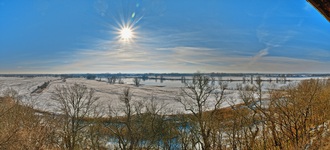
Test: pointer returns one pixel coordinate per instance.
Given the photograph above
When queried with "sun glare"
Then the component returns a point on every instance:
(126, 33)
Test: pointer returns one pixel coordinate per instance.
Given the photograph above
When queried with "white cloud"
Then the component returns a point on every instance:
(185, 59)
(258, 56)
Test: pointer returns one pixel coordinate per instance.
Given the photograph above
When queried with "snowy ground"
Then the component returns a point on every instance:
(108, 93)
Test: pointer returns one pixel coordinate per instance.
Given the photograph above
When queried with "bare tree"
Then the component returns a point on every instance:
(298, 110)
(120, 80)
(141, 124)
(75, 102)
(153, 127)
(136, 81)
(122, 128)
(200, 96)
(112, 80)
(295, 113)
(249, 115)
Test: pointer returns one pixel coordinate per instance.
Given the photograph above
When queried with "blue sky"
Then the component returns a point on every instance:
(71, 36)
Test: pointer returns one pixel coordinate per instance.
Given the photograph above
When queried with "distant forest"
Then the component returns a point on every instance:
(105, 75)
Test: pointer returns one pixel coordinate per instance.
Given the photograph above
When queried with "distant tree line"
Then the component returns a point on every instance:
(39, 89)
(156, 75)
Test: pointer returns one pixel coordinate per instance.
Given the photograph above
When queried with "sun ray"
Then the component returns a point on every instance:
(126, 27)
(126, 33)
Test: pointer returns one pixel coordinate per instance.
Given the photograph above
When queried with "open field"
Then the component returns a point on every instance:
(109, 93)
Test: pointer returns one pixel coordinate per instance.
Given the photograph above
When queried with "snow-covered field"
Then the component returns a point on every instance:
(108, 93)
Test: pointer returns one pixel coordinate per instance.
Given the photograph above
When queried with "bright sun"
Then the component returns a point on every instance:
(126, 33)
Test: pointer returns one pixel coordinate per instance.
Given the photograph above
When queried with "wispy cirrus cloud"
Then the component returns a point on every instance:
(272, 37)
(259, 55)
(185, 59)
